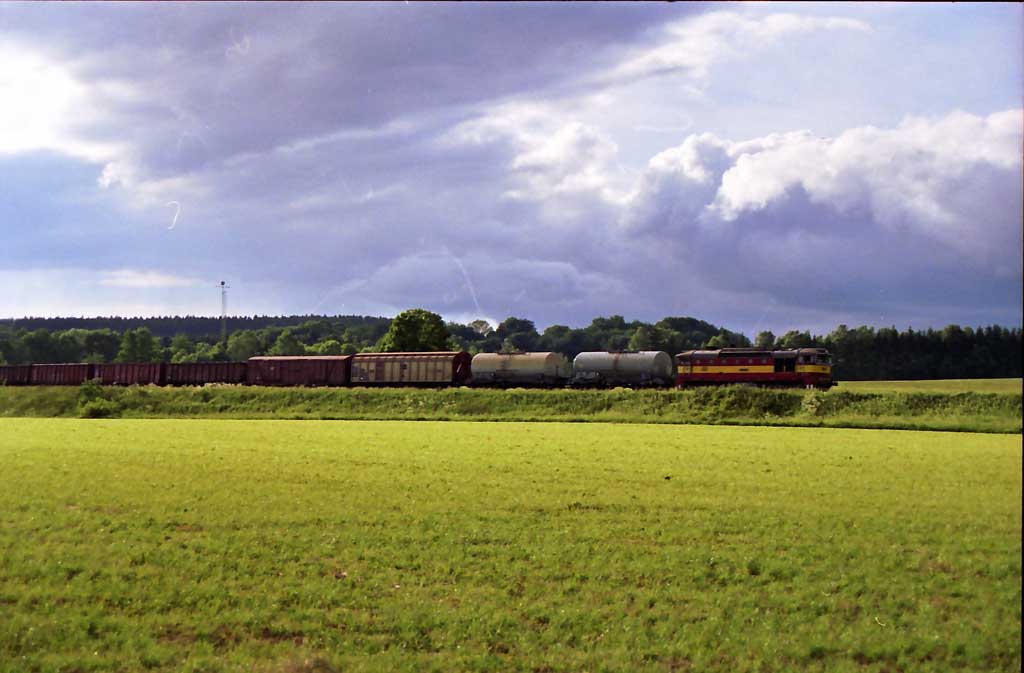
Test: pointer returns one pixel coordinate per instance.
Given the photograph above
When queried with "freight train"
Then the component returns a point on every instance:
(804, 367)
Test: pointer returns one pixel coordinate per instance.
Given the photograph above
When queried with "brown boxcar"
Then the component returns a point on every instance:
(199, 373)
(130, 373)
(298, 370)
(15, 375)
(61, 375)
(440, 368)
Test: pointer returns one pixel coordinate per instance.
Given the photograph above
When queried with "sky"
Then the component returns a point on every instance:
(760, 166)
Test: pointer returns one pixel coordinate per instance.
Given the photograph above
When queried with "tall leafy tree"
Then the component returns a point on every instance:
(288, 344)
(415, 330)
(326, 347)
(102, 345)
(39, 346)
(138, 345)
(642, 339)
(242, 345)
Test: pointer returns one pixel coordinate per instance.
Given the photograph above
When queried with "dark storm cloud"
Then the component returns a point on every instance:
(214, 80)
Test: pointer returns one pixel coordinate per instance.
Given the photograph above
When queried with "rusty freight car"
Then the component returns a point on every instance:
(15, 375)
(405, 369)
(199, 373)
(130, 373)
(61, 374)
(298, 370)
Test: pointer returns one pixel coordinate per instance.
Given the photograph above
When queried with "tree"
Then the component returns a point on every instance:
(288, 344)
(138, 345)
(717, 341)
(517, 334)
(481, 327)
(512, 325)
(795, 339)
(102, 344)
(39, 347)
(69, 345)
(765, 340)
(415, 330)
(727, 339)
(642, 339)
(326, 347)
(242, 345)
(181, 346)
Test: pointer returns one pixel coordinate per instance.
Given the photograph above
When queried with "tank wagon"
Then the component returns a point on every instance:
(411, 369)
(808, 367)
(622, 368)
(521, 369)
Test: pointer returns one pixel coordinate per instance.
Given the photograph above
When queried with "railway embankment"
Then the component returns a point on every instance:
(732, 405)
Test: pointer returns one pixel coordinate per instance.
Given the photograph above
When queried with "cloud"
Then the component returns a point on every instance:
(369, 157)
(926, 214)
(67, 291)
(43, 102)
(143, 279)
(955, 179)
(692, 46)
(480, 284)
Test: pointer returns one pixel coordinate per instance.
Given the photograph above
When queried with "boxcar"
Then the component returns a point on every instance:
(437, 368)
(130, 373)
(623, 368)
(298, 370)
(521, 369)
(61, 374)
(15, 375)
(810, 367)
(199, 373)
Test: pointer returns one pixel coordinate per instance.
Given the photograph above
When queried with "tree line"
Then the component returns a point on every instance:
(858, 353)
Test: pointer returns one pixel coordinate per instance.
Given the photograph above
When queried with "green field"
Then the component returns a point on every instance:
(201, 545)
(941, 386)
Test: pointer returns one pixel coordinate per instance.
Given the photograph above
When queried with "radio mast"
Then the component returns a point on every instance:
(224, 313)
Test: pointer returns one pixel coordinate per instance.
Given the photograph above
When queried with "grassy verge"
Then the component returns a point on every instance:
(939, 386)
(236, 546)
(975, 412)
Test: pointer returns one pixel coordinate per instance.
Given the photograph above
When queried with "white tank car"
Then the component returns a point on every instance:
(628, 368)
(520, 369)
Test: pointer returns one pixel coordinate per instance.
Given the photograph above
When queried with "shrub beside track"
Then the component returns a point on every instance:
(975, 412)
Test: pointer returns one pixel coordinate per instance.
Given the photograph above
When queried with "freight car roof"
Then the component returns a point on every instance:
(300, 357)
(406, 354)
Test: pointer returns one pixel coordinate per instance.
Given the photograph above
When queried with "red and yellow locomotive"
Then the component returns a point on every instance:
(807, 367)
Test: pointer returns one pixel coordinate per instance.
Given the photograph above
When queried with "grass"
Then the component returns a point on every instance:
(197, 545)
(1003, 386)
(734, 405)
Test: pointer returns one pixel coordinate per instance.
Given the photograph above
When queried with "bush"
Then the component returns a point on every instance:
(99, 409)
(94, 401)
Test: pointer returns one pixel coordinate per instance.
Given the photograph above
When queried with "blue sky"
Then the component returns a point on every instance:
(762, 166)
